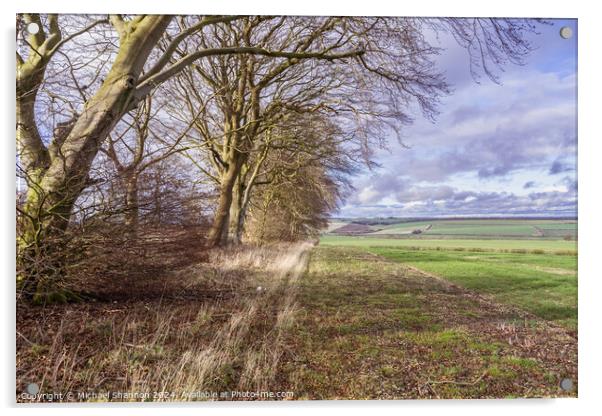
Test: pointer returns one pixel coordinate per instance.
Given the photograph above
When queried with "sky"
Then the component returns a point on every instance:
(507, 149)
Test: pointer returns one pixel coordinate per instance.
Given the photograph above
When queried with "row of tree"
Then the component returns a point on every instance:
(251, 123)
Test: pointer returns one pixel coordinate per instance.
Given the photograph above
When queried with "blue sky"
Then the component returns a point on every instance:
(495, 149)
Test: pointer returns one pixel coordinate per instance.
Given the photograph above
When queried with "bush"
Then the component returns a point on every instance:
(101, 259)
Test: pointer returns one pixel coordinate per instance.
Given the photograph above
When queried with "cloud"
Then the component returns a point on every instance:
(492, 140)
(570, 183)
(377, 187)
(560, 167)
(511, 139)
(446, 201)
(529, 185)
(368, 195)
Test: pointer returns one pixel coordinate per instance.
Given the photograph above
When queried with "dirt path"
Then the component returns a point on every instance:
(371, 328)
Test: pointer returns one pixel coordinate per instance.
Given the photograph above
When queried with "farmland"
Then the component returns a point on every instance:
(517, 262)
(475, 308)
(489, 228)
(370, 325)
(355, 317)
(542, 284)
(458, 244)
(465, 228)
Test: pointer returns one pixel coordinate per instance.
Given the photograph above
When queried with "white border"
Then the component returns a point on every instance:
(590, 288)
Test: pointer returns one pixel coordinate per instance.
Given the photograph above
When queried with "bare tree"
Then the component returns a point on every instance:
(299, 191)
(388, 59)
(144, 140)
(57, 173)
(243, 97)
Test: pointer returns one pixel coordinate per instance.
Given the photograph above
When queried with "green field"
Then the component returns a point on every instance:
(499, 258)
(370, 327)
(482, 228)
(557, 246)
(545, 285)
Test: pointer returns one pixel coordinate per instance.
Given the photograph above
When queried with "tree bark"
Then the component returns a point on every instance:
(219, 229)
(132, 210)
(236, 217)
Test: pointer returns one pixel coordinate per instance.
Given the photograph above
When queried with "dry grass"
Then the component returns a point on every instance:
(215, 327)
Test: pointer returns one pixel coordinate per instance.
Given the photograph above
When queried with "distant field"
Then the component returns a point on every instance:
(403, 228)
(333, 225)
(526, 263)
(530, 264)
(480, 228)
(486, 244)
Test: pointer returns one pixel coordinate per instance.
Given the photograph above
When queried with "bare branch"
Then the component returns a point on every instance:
(152, 82)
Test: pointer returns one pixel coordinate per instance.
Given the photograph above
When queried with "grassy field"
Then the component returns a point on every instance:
(369, 327)
(543, 284)
(451, 243)
(480, 228)
(444, 307)
(538, 275)
(214, 327)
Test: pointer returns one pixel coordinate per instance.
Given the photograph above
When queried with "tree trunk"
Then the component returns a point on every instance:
(41, 252)
(219, 228)
(267, 201)
(236, 215)
(51, 199)
(52, 194)
(240, 223)
(39, 249)
(33, 155)
(131, 205)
